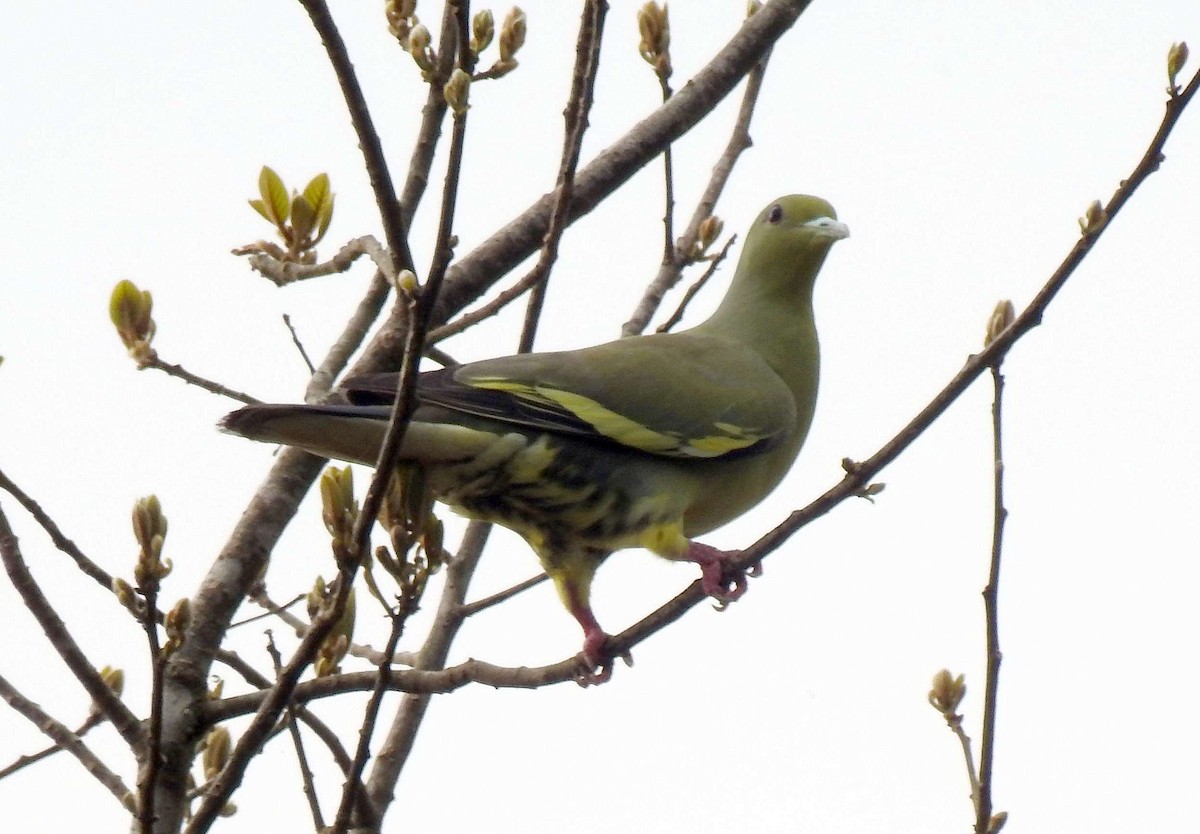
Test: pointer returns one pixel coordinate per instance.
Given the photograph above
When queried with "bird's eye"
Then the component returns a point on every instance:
(775, 214)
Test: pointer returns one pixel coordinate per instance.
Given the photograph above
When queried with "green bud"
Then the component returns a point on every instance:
(1177, 56)
(129, 309)
(1001, 319)
(176, 624)
(710, 229)
(947, 692)
(654, 25)
(406, 283)
(457, 91)
(418, 46)
(114, 679)
(512, 36)
(1094, 220)
(483, 30)
(217, 746)
(150, 530)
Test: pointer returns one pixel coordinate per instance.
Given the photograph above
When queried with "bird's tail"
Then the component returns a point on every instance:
(354, 432)
(350, 433)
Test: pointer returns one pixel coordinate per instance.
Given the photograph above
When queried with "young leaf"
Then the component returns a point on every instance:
(261, 208)
(317, 191)
(275, 197)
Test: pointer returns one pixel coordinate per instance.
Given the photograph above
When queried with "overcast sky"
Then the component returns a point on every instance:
(959, 141)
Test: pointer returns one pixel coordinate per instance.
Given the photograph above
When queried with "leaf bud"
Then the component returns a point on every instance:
(483, 30)
(1001, 319)
(1177, 56)
(947, 692)
(512, 36)
(457, 91)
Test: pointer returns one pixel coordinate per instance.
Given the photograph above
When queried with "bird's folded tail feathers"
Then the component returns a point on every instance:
(353, 433)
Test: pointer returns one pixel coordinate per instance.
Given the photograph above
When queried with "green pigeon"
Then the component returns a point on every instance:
(646, 441)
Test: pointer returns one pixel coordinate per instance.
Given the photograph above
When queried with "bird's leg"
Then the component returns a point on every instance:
(718, 578)
(598, 665)
(572, 570)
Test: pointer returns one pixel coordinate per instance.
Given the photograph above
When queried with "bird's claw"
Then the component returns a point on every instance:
(593, 675)
(596, 660)
(718, 579)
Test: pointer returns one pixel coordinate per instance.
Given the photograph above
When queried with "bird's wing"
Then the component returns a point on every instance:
(674, 395)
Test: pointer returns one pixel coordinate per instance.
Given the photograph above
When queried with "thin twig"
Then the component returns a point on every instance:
(432, 116)
(151, 760)
(319, 728)
(287, 321)
(670, 273)
(472, 608)
(486, 311)
(64, 644)
(306, 775)
(392, 755)
(273, 610)
(272, 705)
(65, 739)
(354, 789)
(954, 722)
(350, 340)
(300, 626)
(440, 356)
(94, 719)
(698, 285)
(395, 229)
(102, 577)
(179, 372)
(669, 258)
(983, 807)
(281, 273)
(579, 105)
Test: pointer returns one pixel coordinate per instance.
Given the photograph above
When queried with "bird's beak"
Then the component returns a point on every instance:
(829, 228)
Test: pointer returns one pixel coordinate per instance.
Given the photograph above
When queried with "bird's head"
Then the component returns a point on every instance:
(798, 224)
(786, 246)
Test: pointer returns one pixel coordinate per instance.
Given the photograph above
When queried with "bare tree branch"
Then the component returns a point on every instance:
(991, 596)
(180, 372)
(68, 741)
(395, 230)
(698, 285)
(60, 638)
(392, 755)
(281, 273)
(90, 568)
(472, 608)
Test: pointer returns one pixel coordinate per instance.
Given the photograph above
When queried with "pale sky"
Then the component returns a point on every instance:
(959, 142)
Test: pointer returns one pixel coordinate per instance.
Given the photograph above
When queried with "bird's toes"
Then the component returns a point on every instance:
(593, 675)
(719, 579)
(596, 660)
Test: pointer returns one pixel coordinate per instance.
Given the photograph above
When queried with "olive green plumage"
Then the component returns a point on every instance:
(643, 442)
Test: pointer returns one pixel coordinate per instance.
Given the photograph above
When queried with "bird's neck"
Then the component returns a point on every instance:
(773, 315)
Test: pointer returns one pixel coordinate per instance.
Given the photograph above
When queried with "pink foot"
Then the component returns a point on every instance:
(718, 578)
(596, 659)
(595, 665)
